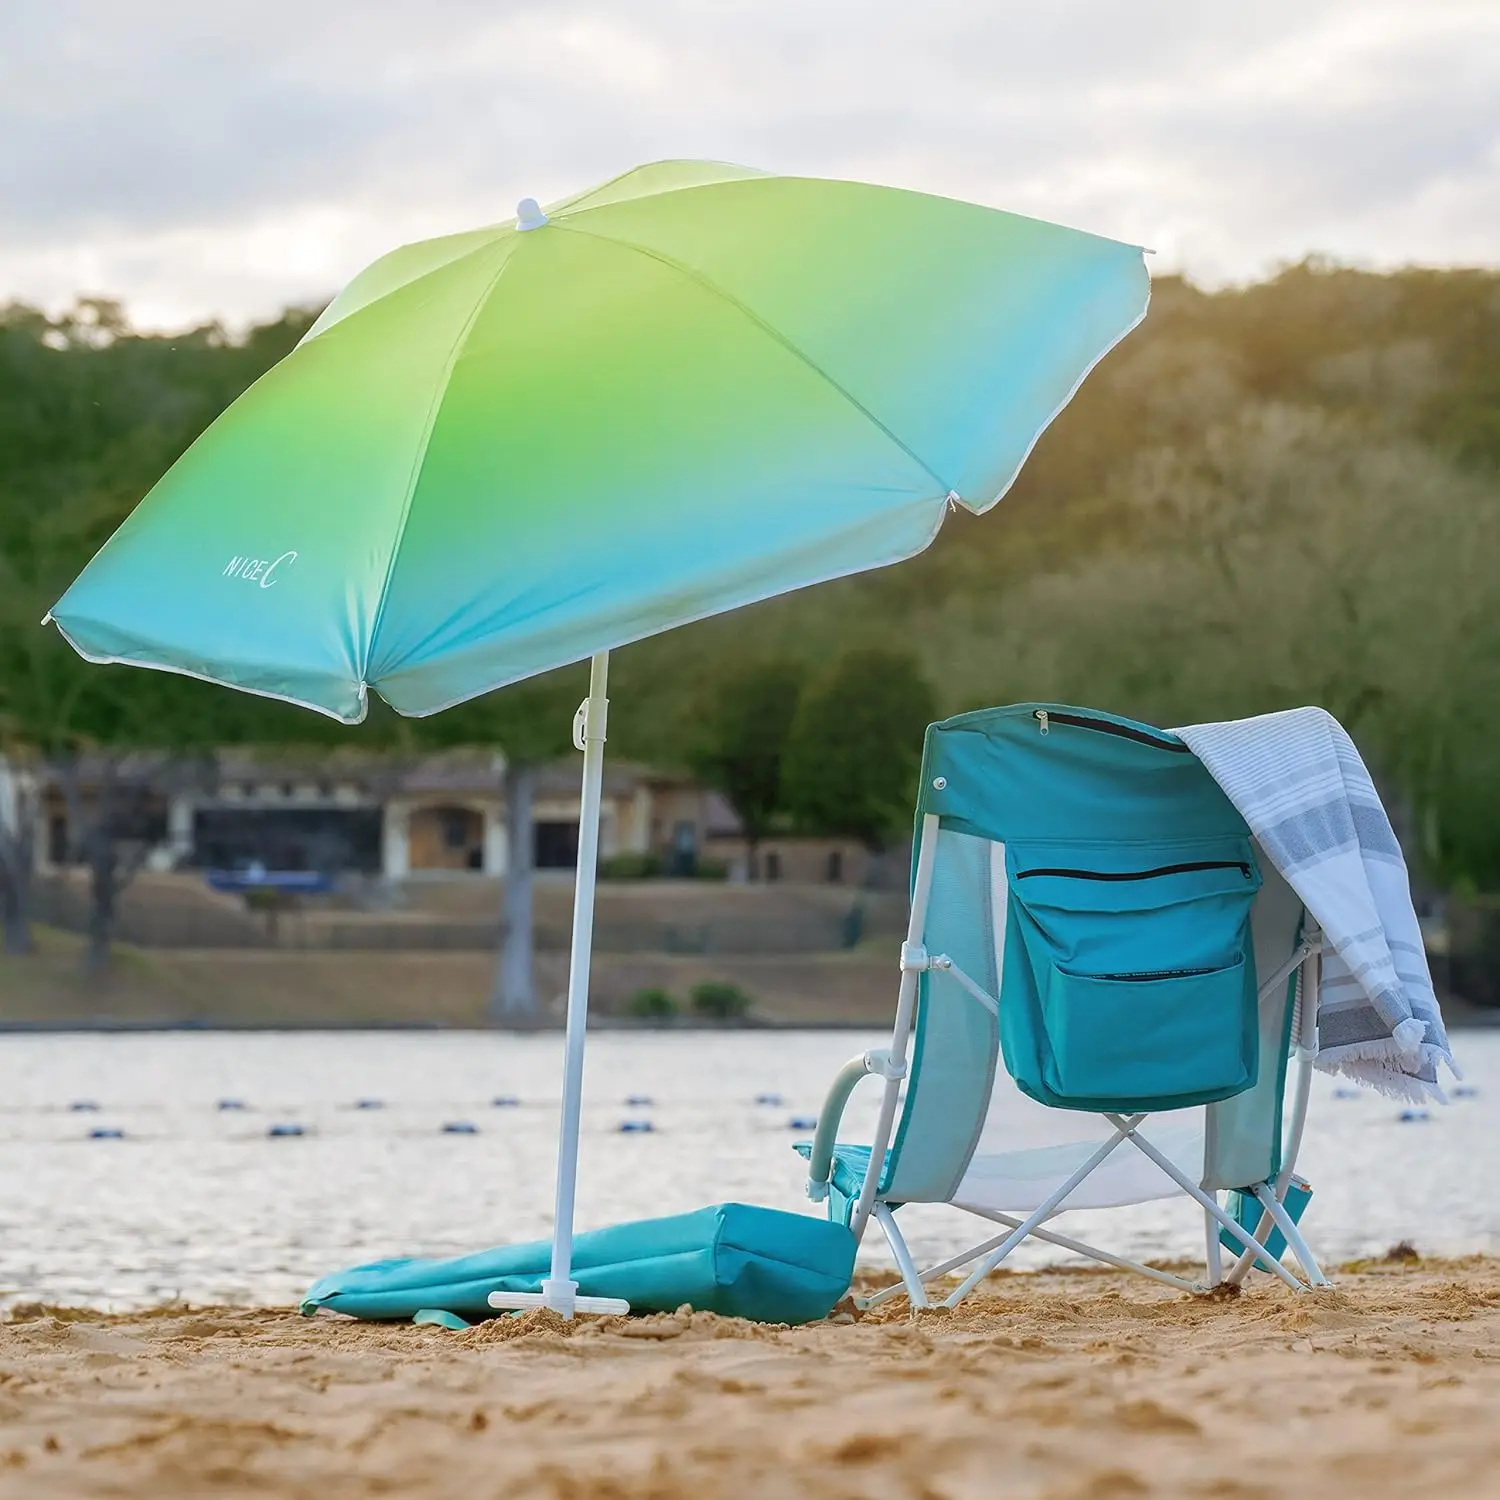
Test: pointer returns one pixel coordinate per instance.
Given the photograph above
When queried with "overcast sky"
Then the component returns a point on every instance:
(203, 158)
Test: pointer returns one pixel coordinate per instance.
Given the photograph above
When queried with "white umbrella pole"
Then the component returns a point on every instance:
(559, 1290)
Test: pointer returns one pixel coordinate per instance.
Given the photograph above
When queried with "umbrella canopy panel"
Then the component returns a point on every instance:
(691, 389)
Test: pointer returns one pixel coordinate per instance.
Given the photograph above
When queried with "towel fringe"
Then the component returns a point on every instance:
(1376, 1065)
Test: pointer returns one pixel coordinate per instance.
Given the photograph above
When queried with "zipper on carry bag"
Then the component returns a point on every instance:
(1046, 717)
(1183, 869)
(1151, 974)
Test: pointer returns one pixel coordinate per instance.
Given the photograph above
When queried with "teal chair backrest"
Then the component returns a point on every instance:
(1024, 797)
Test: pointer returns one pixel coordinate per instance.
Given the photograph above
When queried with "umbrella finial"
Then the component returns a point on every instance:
(529, 214)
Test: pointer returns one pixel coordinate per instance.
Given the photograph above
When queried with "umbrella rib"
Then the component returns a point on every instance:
(419, 457)
(772, 332)
(580, 203)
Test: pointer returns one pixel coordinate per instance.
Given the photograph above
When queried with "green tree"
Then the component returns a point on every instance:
(741, 734)
(1290, 557)
(856, 746)
(90, 415)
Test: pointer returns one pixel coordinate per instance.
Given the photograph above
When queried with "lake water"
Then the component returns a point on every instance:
(198, 1203)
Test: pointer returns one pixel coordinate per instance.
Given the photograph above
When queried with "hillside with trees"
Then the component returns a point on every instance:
(1280, 494)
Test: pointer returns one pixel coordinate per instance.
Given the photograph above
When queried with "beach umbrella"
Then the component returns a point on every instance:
(497, 452)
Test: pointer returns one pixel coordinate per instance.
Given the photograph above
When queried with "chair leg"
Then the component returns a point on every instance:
(1090, 1252)
(915, 1291)
(1287, 1225)
(1214, 1256)
(1124, 1130)
(1208, 1204)
(942, 1268)
(1247, 1259)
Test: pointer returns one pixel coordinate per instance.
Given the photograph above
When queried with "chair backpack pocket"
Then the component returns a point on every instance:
(1129, 975)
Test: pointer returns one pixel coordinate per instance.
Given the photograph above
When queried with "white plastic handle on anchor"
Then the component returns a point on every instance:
(614, 1306)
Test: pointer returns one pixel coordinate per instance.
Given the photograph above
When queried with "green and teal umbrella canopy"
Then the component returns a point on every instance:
(694, 387)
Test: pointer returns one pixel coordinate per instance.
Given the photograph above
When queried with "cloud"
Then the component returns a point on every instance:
(223, 160)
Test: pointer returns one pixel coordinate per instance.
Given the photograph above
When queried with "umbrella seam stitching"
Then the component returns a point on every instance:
(311, 337)
(419, 458)
(579, 203)
(772, 332)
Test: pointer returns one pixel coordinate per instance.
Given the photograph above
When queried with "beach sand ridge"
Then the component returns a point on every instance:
(1053, 1385)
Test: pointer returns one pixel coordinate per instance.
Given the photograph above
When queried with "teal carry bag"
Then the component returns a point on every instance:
(1129, 972)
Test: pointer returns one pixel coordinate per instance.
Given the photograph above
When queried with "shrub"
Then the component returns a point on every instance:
(723, 1001)
(652, 1003)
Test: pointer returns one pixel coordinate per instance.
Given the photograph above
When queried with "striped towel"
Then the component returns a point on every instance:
(1300, 784)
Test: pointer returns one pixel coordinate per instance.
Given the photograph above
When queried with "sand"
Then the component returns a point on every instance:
(1067, 1386)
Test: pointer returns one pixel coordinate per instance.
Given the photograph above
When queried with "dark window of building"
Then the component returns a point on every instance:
(773, 866)
(835, 866)
(57, 840)
(457, 827)
(326, 839)
(556, 846)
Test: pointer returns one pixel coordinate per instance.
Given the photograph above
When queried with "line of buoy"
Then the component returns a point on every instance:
(369, 1104)
(228, 1104)
(460, 1127)
(774, 1101)
(1465, 1091)
(1413, 1116)
(1346, 1093)
(504, 1101)
(639, 1101)
(276, 1132)
(636, 1127)
(106, 1133)
(84, 1107)
(802, 1122)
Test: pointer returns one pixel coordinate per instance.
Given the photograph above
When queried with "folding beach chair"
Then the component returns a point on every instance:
(1101, 987)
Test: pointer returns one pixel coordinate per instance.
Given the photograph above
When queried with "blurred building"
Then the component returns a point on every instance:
(437, 816)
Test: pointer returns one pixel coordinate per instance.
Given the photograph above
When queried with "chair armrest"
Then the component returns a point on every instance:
(820, 1163)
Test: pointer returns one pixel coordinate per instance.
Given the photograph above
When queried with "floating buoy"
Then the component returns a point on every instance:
(276, 1131)
(1413, 1116)
(1346, 1094)
(639, 1101)
(504, 1101)
(1465, 1091)
(84, 1107)
(106, 1133)
(636, 1127)
(775, 1101)
(369, 1104)
(802, 1122)
(231, 1104)
(460, 1127)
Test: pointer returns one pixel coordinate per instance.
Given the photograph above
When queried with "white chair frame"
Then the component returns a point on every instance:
(891, 1066)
